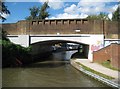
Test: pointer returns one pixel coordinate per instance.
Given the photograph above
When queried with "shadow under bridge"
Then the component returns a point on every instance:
(44, 49)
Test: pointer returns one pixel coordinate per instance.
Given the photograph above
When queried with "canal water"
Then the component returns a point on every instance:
(55, 72)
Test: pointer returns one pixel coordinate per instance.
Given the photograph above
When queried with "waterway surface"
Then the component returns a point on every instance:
(56, 72)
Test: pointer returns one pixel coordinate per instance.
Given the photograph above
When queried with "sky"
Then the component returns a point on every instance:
(60, 9)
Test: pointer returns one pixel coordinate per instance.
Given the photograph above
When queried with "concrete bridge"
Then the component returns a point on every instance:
(89, 41)
(92, 34)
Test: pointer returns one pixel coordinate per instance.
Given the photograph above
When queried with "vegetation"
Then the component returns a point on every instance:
(12, 54)
(104, 16)
(3, 10)
(101, 16)
(116, 15)
(38, 13)
(33, 13)
(95, 72)
(108, 65)
(3, 34)
(43, 13)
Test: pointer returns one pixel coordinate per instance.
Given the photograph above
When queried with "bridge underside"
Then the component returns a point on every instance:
(51, 42)
(90, 42)
(46, 47)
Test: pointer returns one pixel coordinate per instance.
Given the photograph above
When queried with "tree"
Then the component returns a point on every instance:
(116, 15)
(33, 13)
(38, 13)
(43, 11)
(101, 16)
(3, 35)
(3, 10)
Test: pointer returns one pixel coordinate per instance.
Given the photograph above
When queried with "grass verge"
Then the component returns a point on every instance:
(108, 65)
(95, 72)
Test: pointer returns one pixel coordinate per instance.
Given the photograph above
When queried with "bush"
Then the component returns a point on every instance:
(14, 55)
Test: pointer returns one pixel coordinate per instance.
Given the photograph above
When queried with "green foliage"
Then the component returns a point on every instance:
(38, 13)
(101, 16)
(116, 15)
(108, 65)
(95, 72)
(33, 13)
(3, 10)
(43, 13)
(3, 35)
(11, 52)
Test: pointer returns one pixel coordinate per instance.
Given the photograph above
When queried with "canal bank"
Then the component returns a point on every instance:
(96, 71)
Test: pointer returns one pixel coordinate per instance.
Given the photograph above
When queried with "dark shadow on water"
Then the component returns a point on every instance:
(47, 64)
(52, 61)
(79, 55)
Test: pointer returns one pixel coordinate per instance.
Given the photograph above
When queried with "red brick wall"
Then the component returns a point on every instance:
(108, 53)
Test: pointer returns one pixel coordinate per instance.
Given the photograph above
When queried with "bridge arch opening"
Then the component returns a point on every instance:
(41, 47)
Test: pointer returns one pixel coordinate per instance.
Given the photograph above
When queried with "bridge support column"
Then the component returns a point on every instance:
(24, 40)
(90, 56)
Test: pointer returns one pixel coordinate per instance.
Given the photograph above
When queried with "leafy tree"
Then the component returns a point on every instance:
(3, 10)
(3, 34)
(101, 16)
(33, 13)
(38, 13)
(116, 15)
(13, 53)
(43, 11)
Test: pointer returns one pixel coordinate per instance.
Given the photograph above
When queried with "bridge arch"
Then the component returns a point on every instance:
(62, 45)
(71, 38)
(94, 41)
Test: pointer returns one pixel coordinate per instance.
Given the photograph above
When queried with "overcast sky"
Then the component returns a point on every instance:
(60, 9)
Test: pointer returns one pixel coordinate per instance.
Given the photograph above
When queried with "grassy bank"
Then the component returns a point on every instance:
(107, 64)
(95, 72)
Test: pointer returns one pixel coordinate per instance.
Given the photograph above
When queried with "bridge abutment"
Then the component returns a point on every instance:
(90, 42)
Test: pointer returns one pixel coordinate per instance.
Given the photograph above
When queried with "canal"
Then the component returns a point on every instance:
(56, 72)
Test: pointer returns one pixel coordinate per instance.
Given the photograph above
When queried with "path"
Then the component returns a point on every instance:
(99, 68)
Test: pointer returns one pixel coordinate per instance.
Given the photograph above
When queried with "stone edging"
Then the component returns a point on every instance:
(95, 76)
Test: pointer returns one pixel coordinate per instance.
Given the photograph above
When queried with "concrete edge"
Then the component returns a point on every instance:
(95, 76)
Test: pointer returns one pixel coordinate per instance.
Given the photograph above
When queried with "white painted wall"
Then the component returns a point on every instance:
(22, 40)
(84, 40)
(95, 42)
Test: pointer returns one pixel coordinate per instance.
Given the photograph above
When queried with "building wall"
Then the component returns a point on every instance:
(108, 53)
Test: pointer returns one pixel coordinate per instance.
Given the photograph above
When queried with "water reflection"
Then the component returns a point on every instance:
(52, 73)
(48, 64)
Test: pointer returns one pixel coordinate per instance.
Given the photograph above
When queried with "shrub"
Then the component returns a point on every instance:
(14, 55)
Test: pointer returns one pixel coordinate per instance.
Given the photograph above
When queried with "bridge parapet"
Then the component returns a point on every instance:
(63, 26)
